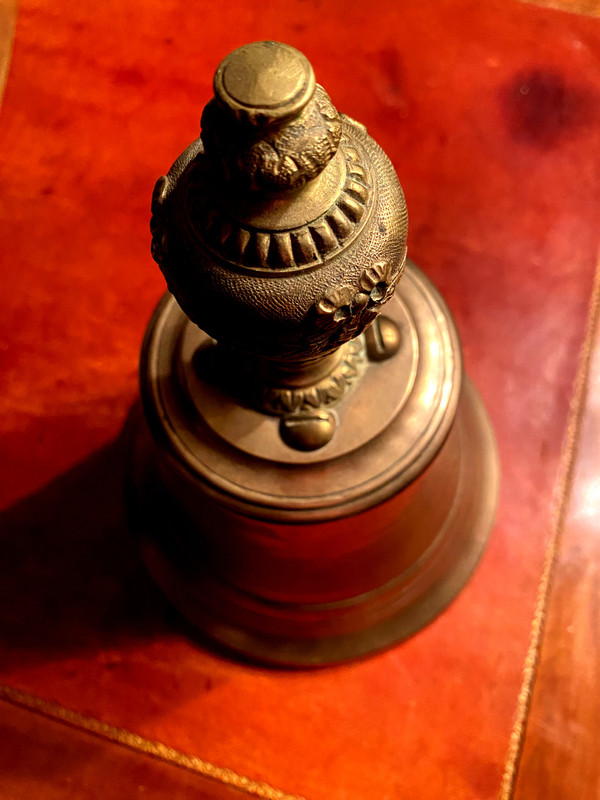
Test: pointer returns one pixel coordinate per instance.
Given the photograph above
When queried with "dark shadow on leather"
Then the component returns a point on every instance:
(72, 578)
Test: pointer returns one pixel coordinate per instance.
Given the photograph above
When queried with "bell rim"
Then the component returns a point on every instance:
(460, 547)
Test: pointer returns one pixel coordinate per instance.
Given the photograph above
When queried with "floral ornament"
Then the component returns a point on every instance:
(354, 307)
(378, 283)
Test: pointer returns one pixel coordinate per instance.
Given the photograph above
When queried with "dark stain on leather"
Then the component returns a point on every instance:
(542, 108)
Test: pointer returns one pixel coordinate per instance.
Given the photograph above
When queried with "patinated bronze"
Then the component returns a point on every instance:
(317, 479)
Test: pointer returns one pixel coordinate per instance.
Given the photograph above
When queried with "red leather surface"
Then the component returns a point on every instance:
(490, 113)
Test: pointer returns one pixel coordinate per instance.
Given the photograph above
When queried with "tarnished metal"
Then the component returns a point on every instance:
(281, 231)
(318, 481)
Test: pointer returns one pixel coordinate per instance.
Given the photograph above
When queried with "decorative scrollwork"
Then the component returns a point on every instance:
(280, 401)
(298, 248)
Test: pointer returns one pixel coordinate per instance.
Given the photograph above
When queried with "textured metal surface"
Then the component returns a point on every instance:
(391, 424)
(282, 238)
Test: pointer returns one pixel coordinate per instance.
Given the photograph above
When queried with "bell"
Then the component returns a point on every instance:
(316, 477)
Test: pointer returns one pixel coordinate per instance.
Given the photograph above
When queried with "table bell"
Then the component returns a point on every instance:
(316, 477)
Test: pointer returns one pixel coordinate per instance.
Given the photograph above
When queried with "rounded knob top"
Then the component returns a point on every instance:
(264, 82)
(270, 127)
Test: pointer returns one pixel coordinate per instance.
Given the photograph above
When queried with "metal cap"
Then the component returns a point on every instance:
(264, 82)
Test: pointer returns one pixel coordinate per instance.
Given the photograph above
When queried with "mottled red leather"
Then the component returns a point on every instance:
(489, 110)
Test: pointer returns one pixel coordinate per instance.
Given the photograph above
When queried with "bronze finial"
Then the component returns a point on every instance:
(281, 232)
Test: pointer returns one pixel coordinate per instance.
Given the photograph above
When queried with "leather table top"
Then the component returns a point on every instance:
(490, 112)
